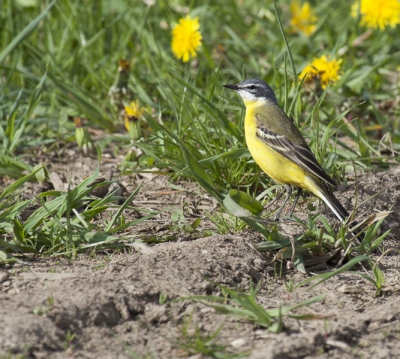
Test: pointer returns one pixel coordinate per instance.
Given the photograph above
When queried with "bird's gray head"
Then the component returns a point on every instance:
(254, 89)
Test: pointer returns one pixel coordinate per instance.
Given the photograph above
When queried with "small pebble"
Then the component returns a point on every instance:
(237, 343)
(350, 289)
(3, 276)
(393, 225)
(12, 291)
(6, 284)
(207, 310)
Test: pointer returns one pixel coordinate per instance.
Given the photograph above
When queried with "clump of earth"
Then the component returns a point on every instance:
(131, 303)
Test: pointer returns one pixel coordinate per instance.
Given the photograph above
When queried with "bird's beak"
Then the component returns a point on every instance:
(232, 87)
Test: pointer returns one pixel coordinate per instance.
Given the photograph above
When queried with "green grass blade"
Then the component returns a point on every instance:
(121, 208)
(12, 188)
(218, 115)
(292, 64)
(24, 33)
(325, 276)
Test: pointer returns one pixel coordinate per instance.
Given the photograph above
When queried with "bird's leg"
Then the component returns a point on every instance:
(299, 190)
(289, 192)
(278, 196)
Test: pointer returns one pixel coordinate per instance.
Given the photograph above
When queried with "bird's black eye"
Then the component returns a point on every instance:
(252, 87)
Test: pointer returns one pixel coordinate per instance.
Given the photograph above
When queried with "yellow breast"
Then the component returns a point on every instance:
(279, 168)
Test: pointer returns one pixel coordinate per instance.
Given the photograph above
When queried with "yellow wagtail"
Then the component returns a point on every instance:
(280, 149)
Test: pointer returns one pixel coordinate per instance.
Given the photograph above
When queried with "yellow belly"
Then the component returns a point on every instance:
(279, 168)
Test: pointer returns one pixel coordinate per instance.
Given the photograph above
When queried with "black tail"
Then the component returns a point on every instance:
(337, 209)
(334, 205)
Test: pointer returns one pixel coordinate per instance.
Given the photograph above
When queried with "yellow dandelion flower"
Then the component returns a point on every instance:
(377, 13)
(303, 18)
(132, 114)
(186, 38)
(133, 109)
(323, 69)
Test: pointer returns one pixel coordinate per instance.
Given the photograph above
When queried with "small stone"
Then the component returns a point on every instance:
(6, 283)
(260, 333)
(207, 310)
(350, 289)
(393, 225)
(237, 343)
(3, 276)
(12, 291)
(258, 261)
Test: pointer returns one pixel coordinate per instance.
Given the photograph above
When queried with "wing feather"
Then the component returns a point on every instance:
(298, 153)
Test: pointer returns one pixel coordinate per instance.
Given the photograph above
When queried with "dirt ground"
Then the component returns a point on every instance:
(108, 306)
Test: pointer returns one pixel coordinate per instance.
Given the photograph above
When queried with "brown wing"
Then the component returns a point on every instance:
(298, 153)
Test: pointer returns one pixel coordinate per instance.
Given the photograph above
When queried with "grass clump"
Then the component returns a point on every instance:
(60, 59)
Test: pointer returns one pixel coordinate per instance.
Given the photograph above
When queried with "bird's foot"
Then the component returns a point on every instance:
(277, 219)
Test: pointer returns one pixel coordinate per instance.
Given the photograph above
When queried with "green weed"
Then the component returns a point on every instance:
(59, 59)
(195, 341)
(245, 307)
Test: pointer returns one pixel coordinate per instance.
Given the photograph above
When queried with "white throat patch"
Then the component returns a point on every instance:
(247, 96)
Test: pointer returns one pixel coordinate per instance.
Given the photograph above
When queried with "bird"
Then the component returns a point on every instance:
(279, 148)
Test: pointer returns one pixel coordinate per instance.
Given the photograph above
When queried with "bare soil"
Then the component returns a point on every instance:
(108, 305)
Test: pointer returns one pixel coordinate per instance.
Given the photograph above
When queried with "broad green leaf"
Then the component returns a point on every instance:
(246, 201)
